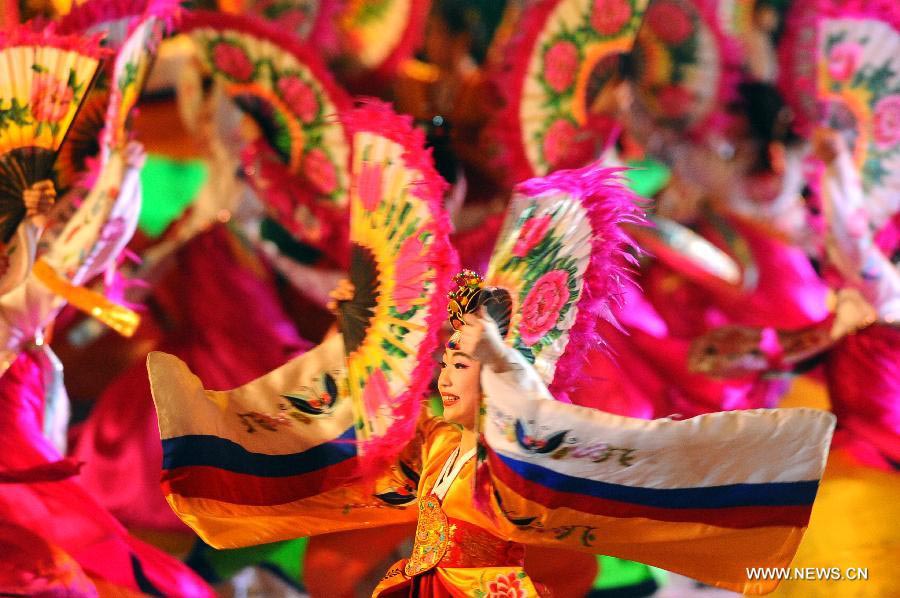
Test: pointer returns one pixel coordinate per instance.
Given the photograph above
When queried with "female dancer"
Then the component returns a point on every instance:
(276, 458)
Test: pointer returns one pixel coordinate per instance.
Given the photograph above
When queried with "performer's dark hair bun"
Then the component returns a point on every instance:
(498, 303)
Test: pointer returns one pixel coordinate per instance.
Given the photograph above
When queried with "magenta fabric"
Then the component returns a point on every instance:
(230, 329)
(62, 511)
(31, 566)
(643, 372)
(863, 376)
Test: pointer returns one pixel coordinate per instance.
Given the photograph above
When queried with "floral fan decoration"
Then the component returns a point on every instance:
(562, 256)
(313, 21)
(378, 35)
(401, 267)
(686, 68)
(286, 90)
(44, 78)
(556, 66)
(841, 69)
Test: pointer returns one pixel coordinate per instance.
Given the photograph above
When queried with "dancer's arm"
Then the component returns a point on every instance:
(274, 459)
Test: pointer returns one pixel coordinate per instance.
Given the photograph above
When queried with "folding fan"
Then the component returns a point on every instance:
(841, 69)
(132, 66)
(378, 35)
(132, 29)
(564, 53)
(286, 90)
(44, 78)
(83, 141)
(685, 66)
(561, 255)
(401, 267)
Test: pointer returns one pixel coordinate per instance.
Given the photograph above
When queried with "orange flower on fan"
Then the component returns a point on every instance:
(411, 270)
(506, 586)
(50, 98)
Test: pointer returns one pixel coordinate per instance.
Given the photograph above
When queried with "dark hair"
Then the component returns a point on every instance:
(769, 118)
(498, 303)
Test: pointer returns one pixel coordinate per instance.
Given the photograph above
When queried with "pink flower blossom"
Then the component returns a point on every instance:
(541, 308)
(560, 64)
(669, 22)
(319, 170)
(557, 142)
(300, 97)
(609, 16)
(843, 60)
(506, 586)
(533, 232)
(50, 98)
(886, 124)
(674, 100)
(411, 270)
(369, 185)
(232, 60)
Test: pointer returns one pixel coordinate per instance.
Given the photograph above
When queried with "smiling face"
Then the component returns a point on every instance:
(460, 388)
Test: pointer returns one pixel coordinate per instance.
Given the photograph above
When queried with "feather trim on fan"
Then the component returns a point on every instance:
(377, 119)
(116, 18)
(36, 33)
(607, 204)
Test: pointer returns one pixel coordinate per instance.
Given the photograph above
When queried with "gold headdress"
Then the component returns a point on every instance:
(469, 296)
(464, 299)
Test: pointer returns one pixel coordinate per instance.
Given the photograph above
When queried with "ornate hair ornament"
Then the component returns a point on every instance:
(465, 298)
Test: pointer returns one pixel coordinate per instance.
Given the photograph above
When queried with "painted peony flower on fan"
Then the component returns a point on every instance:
(51, 98)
